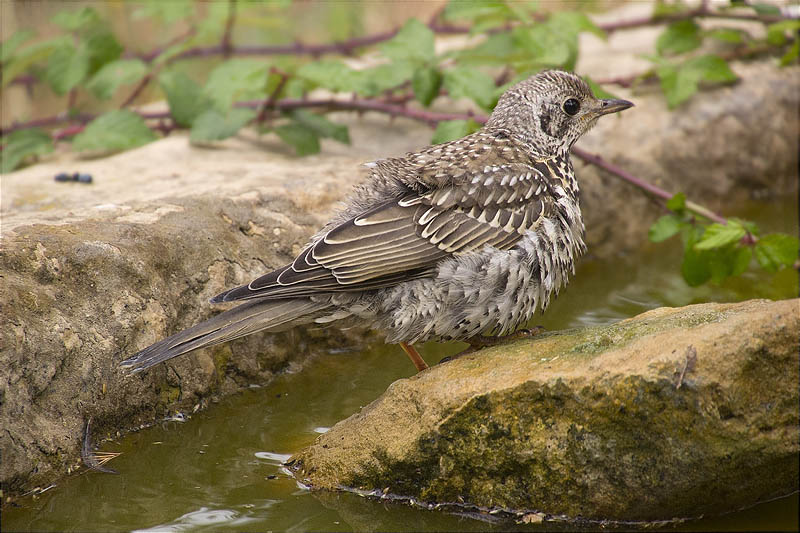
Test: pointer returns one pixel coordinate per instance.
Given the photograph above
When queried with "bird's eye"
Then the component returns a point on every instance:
(571, 106)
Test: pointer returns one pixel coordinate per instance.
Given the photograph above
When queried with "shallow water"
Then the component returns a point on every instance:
(221, 468)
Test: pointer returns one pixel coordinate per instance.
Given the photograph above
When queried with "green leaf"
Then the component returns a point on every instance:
(426, 84)
(776, 250)
(677, 85)
(694, 268)
(664, 228)
(103, 48)
(21, 144)
(67, 67)
(186, 99)
(449, 130)
(544, 46)
(776, 33)
(476, 10)
(168, 12)
(553, 43)
(372, 81)
(741, 260)
(729, 261)
(681, 82)
(497, 49)
(709, 68)
(212, 26)
(113, 131)
(304, 140)
(464, 82)
(297, 87)
(333, 75)
(679, 37)
(215, 126)
(172, 51)
(81, 20)
(750, 227)
(791, 55)
(115, 74)
(726, 35)
(574, 22)
(31, 55)
(666, 8)
(766, 9)
(719, 235)
(414, 42)
(677, 203)
(337, 76)
(236, 79)
(320, 125)
(342, 21)
(11, 44)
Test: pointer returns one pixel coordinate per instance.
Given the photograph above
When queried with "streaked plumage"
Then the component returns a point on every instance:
(459, 239)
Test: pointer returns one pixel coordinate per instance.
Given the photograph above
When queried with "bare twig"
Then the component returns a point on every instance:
(432, 118)
(598, 161)
(226, 45)
(150, 56)
(269, 103)
(356, 104)
(701, 12)
(137, 90)
(346, 47)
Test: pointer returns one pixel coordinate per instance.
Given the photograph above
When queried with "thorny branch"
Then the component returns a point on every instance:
(392, 105)
(432, 118)
(348, 46)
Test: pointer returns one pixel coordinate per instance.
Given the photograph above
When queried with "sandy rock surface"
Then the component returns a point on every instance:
(93, 273)
(620, 422)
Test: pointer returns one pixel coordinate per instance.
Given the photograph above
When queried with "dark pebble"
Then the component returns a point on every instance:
(85, 178)
(63, 176)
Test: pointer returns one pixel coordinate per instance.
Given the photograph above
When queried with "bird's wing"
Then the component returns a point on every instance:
(407, 237)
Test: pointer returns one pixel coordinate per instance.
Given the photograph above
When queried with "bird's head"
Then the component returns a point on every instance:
(551, 110)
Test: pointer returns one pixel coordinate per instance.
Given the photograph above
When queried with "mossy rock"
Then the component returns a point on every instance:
(675, 413)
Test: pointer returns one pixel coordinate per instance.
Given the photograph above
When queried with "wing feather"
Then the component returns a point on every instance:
(407, 237)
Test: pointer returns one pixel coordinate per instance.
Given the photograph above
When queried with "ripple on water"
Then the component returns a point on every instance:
(199, 518)
(274, 458)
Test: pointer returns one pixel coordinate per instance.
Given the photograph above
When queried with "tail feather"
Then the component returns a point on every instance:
(240, 321)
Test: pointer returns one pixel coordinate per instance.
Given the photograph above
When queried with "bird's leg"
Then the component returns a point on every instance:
(415, 357)
(482, 341)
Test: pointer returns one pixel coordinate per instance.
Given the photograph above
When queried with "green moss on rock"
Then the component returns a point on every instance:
(602, 423)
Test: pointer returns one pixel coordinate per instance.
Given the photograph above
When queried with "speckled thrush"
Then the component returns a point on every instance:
(455, 241)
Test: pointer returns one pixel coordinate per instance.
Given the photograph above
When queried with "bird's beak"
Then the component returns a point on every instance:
(613, 106)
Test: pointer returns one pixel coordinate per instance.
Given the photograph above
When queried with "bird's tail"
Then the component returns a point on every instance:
(273, 315)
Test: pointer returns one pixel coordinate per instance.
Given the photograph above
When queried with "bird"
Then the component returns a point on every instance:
(459, 241)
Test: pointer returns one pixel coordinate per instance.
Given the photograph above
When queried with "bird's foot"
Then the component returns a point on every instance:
(483, 341)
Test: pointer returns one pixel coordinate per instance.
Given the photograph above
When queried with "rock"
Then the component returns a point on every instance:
(115, 266)
(675, 413)
(94, 272)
